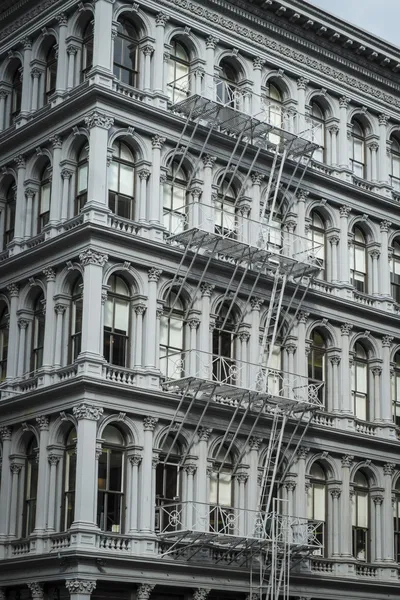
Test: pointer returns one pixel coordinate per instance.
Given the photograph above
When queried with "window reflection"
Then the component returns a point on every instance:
(82, 179)
(174, 197)
(172, 338)
(317, 363)
(121, 184)
(31, 481)
(178, 71)
(395, 380)
(316, 503)
(38, 333)
(51, 73)
(221, 492)
(110, 481)
(358, 261)
(360, 517)
(126, 53)
(316, 234)
(3, 344)
(116, 322)
(69, 480)
(76, 319)
(9, 222)
(359, 382)
(44, 199)
(357, 149)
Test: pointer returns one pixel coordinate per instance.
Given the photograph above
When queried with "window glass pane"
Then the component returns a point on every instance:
(121, 316)
(115, 471)
(213, 488)
(362, 509)
(225, 490)
(362, 377)
(319, 502)
(82, 178)
(164, 331)
(45, 198)
(359, 259)
(113, 176)
(358, 150)
(102, 473)
(108, 313)
(361, 406)
(126, 180)
(176, 333)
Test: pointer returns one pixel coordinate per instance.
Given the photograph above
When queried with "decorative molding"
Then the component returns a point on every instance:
(43, 423)
(149, 423)
(36, 590)
(80, 586)
(91, 257)
(87, 411)
(99, 119)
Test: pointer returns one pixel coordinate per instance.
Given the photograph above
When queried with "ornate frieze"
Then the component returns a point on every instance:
(80, 586)
(87, 411)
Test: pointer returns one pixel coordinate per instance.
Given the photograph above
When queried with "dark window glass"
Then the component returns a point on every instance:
(168, 483)
(395, 380)
(76, 320)
(110, 481)
(69, 480)
(172, 338)
(87, 50)
(174, 196)
(357, 149)
(227, 85)
(317, 503)
(318, 131)
(116, 322)
(3, 344)
(359, 382)
(126, 53)
(44, 199)
(224, 347)
(178, 72)
(225, 213)
(16, 93)
(82, 180)
(316, 234)
(51, 73)
(121, 185)
(222, 493)
(395, 272)
(317, 363)
(31, 481)
(360, 517)
(358, 261)
(9, 222)
(396, 522)
(38, 334)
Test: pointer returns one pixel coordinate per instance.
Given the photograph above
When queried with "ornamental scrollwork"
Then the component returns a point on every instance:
(80, 586)
(98, 119)
(87, 411)
(91, 257)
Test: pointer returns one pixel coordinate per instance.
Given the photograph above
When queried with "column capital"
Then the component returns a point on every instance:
(27, 43)
(99, 119)
(344, 102)
(194, 323)
(50, 274)
(378, 499)
(344, 211)
(154, 274)
(71, 49)
(302, 83)
(335, 359)
(91, 257)
(62, 19)
(87, 411)
(302, 452)
(383, 119)
(36, 590)
(346, 328)
(290, 485)
(20, 161)
(161, 19)
(140, 309)
(201, 594)
(211, 42)
(144, 174)
(135, 459)
(53, 459)
(385, 226)
(303, 316)
(387, 341)
(144, 591)
(335, 492)
(23, 323)
(258, 63)
(60, 309)
(208, 161)
(148, 50)
(149, 423)
(80, 586)
(207, 289)
(43, 423)
(256, 303)
(190, 468)
(5, 433)
(389, 468)
(333, 129)
(66, 174)
(56, 142)
(255, 443)
(376, 371)
(204, 434)
(347, 460)
(29, 192)
(13, 290)
(15, 468)
(257, 178)
(157, 142)
(302, 195)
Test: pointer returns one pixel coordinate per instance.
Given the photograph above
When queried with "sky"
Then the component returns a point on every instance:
(380, 17)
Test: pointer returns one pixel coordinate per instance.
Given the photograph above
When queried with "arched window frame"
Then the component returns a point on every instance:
(4, 334)
(222, 492)
(224, 346)
(111, 482)
(317, 235)
(117, 312)
(360, 502)
(87, 49)
(44, 199)
(317, 504)
(126, 55)
(274, 105)
(395, 271)
(225, 209)
(360, 382)
(82, 173)
(121, 186)
(9, 221)
(175, 198)
(395, 381)
(76, 320)
(178, 81)
(359, 261)
(16, 94)
(317, 363)
(38, 330)
(317, 115)
(30, 488)
(168, 481)
(68, 512)
(50, 81)
(227, 85)
(358, 149)
(172, 337)
(395, 163)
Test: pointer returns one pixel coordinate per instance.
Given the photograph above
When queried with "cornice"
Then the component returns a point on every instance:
(222, 23)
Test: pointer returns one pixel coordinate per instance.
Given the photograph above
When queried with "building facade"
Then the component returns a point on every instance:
(113, 146)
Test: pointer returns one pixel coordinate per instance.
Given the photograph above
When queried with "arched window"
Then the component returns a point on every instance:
(317, 502)
(178, 72)
(316, 234)
(172, 337)
(224, 346)
(222, 492)
(44, 198)
(116, 322)
(227, 84)
(9, 221)
(395, 272)
(358, 261)
(111, 481)
(395, 163)
(31, 481)
(82, 179)
(3, 344)
(317, 363)
(225, 214)
(121, 195)
(357, 149)
(87, 50)
(38, 333)
(76, 320)
(396, 519)
(16, 93)
(168, 484)
(51, 73)
(274, 105)
(360, 517)
(174, 194)
(69, 480)
(318, 131)
(126, 53)
(359, 382)
(395, 380)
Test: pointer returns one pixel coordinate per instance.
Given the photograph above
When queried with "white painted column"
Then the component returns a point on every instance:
(210, 86)
(20, 200)
(146, 495)
(43, 473)
(62, 53)
(99, 124)
(344, 268)
(144, 175)
(374, 255)
(302, 84)
(204, 330)
(373, 149)
(36, 74)
(140, 309)
(386, 404)
(71, 52)
(301, 497)
(256, 179)
(135, 460)
(13, 292)
(301, 213)
(378, 501)
(66, 175)
(155, 205)
(253, 490)
(345, 521)
(3, 96)
(58, 344)
(345, 392)
(383, 169)
(202, 479)
(206, 210)
(23, 325)
(151, 351)
(333, 385)
(193, 346)
(26, 78)
(254, 343)
(387, 514)
(376, 374)
(29, 195)
(191, 512)
(6, 478)
(15, 468)
(93, 263)
(158, 63)
(336, 522)
(53, 460)
(50, 318)
(147, 53)
(87, 416)
(385, 264)
(334, 272)
(256, 96)
(302, 318)
(343, 144)
(102, 42)
(56, 182)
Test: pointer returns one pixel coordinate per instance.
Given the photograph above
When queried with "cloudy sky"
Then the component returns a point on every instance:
(381, 17)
